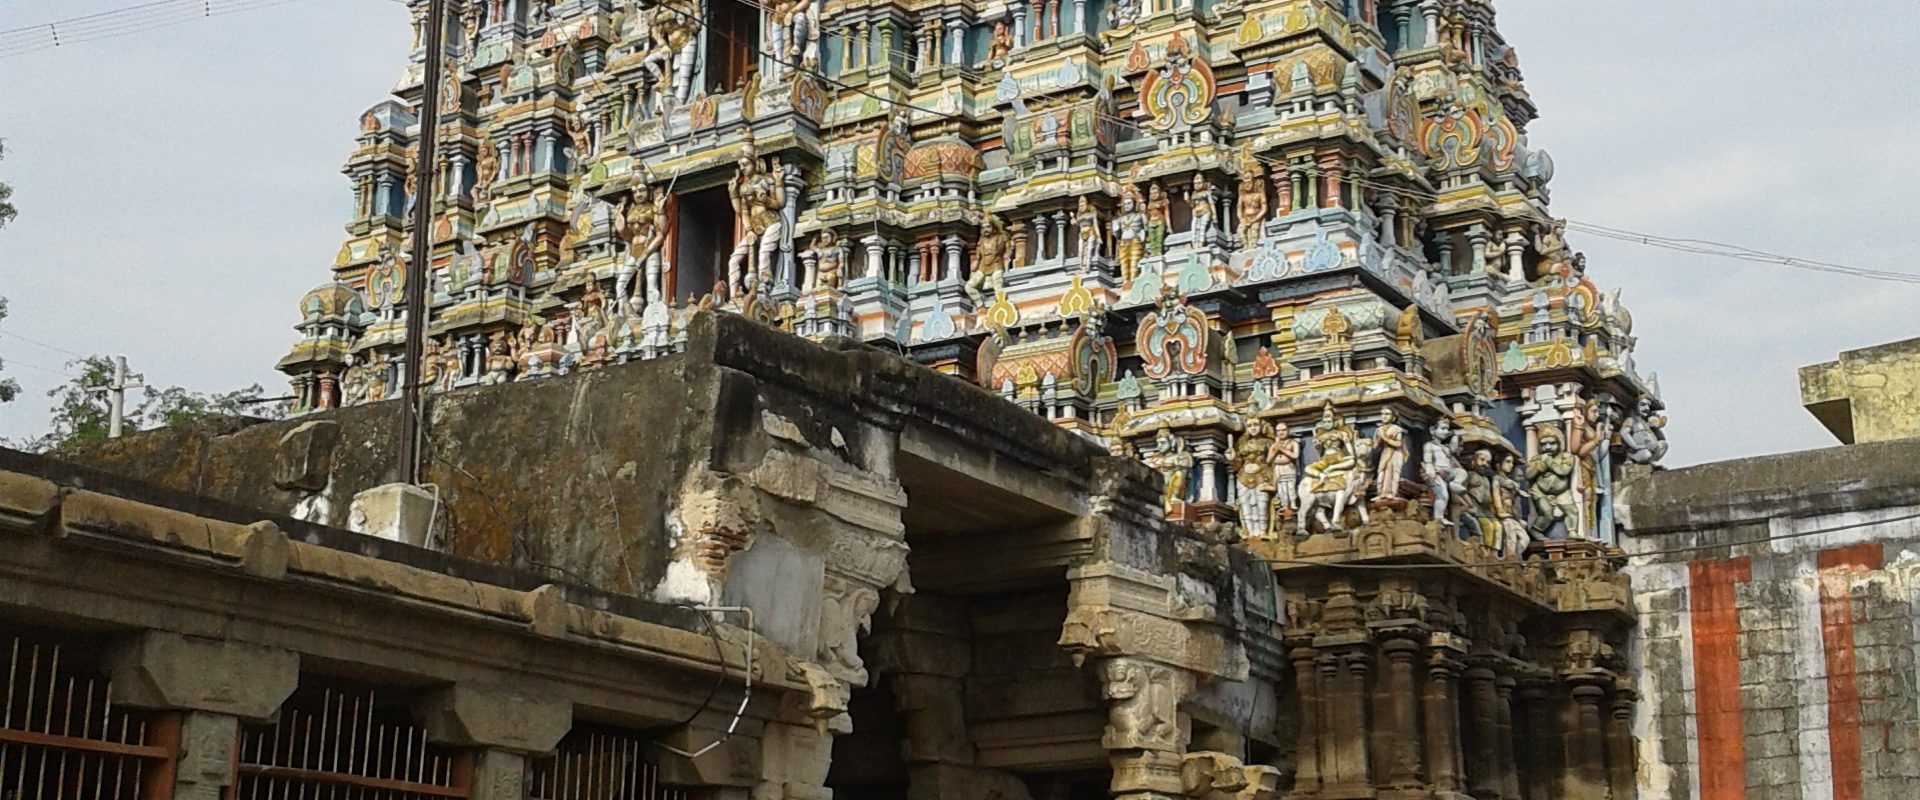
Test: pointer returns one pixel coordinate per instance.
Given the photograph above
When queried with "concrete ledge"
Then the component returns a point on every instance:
(1832, 480)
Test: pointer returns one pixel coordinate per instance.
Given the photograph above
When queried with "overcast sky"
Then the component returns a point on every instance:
(180, 189)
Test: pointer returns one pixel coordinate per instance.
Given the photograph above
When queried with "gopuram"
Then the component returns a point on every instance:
(1295, 256)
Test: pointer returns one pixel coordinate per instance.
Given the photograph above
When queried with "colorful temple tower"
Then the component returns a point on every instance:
(1295, 254)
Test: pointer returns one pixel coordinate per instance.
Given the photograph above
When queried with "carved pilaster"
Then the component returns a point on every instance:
(1307, 756)
(1440, 699)
(1586, 745)
(1399, 714)
(1540, 756)
(1504, 765)
(1620, 750)
(1146, 733)
(1481, 728)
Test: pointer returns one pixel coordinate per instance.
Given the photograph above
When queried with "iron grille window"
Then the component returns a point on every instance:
(594, 764)
(341, 742)
(61, 735)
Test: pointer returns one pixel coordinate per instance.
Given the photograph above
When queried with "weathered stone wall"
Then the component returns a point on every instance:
(1867, 395)
(1778, 653)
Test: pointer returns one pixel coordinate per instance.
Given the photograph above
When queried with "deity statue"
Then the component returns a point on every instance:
(431, 375)
(1583, 441)
(1390, 440)
(992, 254)
(795, 43)
(1446, 479)
(1157, 210)
(1332, 481)
(353, 384)
(823, 262)
(486, 170)
(1253, 477)
(1550, 484)
(1478, 515)
(1203, 211)
(1088, 222)
(1171, 458)
(1506, 506)
(1253, 203)
(759, 197)
(1129, 235)
(642, 224)
(580, 134)
(1641, 434)
(674, 29)
(1284, 456)
(500, 358)
(1002, 42)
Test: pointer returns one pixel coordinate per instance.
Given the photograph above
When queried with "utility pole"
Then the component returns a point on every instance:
(117, 396)
(412, 402)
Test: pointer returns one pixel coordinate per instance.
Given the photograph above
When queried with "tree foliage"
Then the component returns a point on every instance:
(82, 410)
(9, 388)
(7, 211)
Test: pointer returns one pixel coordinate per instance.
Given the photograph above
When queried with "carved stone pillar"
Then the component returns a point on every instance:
(1586, 745)
(1040, 238)
(1504, 765)
(503, 724)
(1440, 701)
(957, 43)
(874, 267)
(1516, 256)
(1307, 756)
(1401, 17)
(1145, 732)
(1399, 714)
(1346, 767)
(1480, 723)
(1331, 170)
(214, 684)
(1540, 765)
(953, 248)
(1620, 751)
(1430, 11)
(1021, 231)
(1059, 234)
(1020, 23)
(1389, 209)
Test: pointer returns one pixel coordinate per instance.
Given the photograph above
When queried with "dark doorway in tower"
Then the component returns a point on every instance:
(703, 238)
(733, 44)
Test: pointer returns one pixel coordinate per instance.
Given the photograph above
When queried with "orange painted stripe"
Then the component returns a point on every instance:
(1716, 676)
(1837, 567)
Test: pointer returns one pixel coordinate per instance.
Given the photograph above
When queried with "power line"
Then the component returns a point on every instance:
(123, 22)
(38, 343)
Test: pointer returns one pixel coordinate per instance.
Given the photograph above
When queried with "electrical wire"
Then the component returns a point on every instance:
(124, 22)
(36, 342)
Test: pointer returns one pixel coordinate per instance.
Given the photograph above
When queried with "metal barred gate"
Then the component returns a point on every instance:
(61, 736)
(600, 765)
(335, 743)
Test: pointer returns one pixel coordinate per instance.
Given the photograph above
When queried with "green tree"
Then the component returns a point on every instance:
(9, 388)
(7, 211)
(82, 411)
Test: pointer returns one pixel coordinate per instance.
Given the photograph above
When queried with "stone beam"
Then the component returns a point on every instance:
(161, 670)
(494, 717)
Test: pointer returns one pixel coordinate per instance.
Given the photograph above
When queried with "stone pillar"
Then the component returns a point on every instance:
(1505, 765)
(1345, 765)
(1059, 234)
(1402, 15)
(1331, 170)
(1430, 10)
(503, 725)
(1040, 238)
(1145, 733)
(957, 43)
(874, 266)
(1479, 720)
(1620, 750)
(1078, 22)
(1399, 714)
(952, 245)
(216, 684)
(1540, 765)
(1586, 745)
(857, 54)
(1020, 23)
(1389, 220)
(1021, 231)
(1516, 256)
(1477, 239)
(1440, 701)
(1306, 682)
(1444, 244)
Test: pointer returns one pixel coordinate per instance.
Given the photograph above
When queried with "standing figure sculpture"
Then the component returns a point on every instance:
(1332, 482)
(795, 43)
(641, 224)
(1550, 484)
(1446, 479)
(1171, 458)
(486, 170)
(1203, 211)
(1129, 235)
(1284, 456)
(758, 198)
(1390, 440)
(992, 255)
(1088, 222)
(1253, 478)
(1253, 204)
(1506, 506)
(674, 29)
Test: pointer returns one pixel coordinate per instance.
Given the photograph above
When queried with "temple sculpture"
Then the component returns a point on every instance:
(1296, 255)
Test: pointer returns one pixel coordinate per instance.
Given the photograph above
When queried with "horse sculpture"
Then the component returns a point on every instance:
(1329, 506)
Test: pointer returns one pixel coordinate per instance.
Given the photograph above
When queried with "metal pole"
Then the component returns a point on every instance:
(411, 400)
(117, 397)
